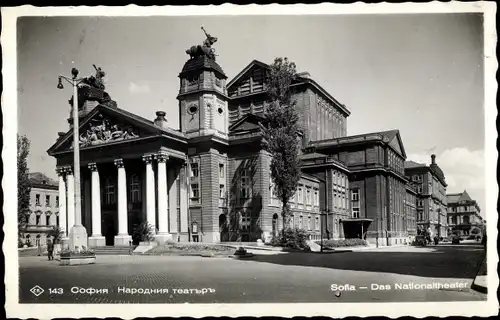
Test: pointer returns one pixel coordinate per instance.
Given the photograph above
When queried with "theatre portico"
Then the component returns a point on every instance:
(135, 178)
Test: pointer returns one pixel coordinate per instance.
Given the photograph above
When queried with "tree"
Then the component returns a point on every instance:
(281, 133)
(23, 182)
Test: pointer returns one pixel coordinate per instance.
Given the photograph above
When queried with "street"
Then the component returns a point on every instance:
(363, 276)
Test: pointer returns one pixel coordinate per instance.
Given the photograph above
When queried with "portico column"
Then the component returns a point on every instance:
(71, 198)
(150, 191)
(62, 201)
(163, 234)
(123, 238)
(96, 240)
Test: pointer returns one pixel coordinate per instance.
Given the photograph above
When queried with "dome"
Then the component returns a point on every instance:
(202, 62)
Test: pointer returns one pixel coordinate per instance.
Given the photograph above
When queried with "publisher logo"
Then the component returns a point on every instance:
(37, 290)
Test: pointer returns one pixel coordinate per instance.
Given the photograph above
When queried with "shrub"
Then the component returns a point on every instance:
(82, 253)
(292, 238)
(342, 243)
(143, 232)
(56, 233)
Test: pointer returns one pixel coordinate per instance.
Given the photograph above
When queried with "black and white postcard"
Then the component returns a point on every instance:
(288, 160)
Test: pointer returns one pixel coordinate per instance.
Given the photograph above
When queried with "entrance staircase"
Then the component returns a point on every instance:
(110, 250)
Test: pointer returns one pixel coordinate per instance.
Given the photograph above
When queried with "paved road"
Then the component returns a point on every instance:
(266, 278)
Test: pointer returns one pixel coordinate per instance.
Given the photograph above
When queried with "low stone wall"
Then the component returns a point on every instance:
(72, 261)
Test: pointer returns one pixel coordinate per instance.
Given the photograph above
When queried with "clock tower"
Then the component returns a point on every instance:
(203, 101)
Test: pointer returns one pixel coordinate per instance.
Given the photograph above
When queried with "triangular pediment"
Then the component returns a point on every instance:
(250, 122)
(397, 144)
(105, 126)
(246, 72)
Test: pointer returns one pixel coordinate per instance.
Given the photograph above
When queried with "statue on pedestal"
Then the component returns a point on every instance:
(205, 49)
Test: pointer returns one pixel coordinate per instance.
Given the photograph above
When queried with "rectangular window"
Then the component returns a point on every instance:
(245, 221)
(47, 200)
(222, 191)
(301, 196)
(109, 191)
(316, 223)
(221, 171)
(308, 196)
(355, 213)
(195, 171)
(135, 189)
(57, 201)
(37, 199)
(300, 222)
(355, 195)
(420, 203)
(245, 186)
(309, 225)
(316, 197)
(195, 192)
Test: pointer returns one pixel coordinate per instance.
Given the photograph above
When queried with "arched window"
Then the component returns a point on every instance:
(109, 191)
(38, 217)
(135, 188)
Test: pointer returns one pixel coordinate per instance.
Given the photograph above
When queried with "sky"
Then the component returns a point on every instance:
(421, 74)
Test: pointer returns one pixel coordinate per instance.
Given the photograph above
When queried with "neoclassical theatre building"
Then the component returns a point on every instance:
(210, 181)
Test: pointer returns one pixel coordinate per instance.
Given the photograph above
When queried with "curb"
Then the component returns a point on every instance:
(479, 288)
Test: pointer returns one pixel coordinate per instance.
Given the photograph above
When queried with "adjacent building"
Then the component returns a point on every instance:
(44, 209)
(431, 196)
(464, 215)
(210, 181)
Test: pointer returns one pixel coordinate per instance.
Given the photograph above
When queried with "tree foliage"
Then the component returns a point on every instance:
(281, 132)
(23, 182)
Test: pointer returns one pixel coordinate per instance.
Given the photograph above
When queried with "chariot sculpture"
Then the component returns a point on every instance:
(205, 49)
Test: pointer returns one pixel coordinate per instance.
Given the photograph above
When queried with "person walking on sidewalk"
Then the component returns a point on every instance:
(50, 249)
(38, 245)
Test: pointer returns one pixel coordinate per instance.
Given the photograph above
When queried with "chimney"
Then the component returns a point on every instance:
(433, 158)
(160, 120)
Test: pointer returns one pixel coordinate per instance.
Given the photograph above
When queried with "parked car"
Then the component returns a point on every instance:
(420, 240)
(455, 239)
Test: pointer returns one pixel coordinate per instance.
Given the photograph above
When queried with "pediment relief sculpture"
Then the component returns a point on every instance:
(101, 130)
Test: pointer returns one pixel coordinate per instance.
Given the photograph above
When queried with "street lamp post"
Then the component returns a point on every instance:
(78, 234)
(323, 216)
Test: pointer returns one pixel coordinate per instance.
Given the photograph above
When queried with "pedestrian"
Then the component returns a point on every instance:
(50, 249)
(39, 246)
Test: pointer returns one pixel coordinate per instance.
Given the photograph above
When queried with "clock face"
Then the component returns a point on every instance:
(220, 107)
(193, 108)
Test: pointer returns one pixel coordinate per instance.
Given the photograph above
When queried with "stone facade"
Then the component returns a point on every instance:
(431, 196)
(464, 215)
(44, 210)
(210, 181)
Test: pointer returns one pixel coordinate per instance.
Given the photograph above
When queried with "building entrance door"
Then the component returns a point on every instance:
(109, 227)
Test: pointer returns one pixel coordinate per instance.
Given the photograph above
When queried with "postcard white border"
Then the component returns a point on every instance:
(9, 183)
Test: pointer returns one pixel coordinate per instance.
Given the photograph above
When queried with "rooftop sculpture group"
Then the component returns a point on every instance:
(205, 49)
(92, 88)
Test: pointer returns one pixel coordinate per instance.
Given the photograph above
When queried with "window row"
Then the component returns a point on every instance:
(298, 222)
(47, 200)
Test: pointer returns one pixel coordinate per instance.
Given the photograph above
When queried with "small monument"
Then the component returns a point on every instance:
(91, 93)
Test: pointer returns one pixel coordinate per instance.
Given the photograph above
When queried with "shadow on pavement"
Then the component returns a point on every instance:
(442, 262)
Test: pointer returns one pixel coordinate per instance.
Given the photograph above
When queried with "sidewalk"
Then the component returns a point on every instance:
(480, 282)
(317, 248)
